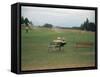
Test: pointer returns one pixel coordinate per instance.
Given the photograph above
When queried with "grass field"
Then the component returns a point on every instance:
(78, 52)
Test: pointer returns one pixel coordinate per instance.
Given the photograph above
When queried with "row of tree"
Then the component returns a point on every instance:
(47, 25)
(89, 26)
(26, 21)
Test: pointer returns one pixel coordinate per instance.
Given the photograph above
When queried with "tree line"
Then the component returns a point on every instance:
(26, 21)
(87, 26)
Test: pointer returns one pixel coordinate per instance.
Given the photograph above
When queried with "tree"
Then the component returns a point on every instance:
(86, 23)
(48, 25)
(82, 26)
(26, 21)
(89, 26)
(22, 20)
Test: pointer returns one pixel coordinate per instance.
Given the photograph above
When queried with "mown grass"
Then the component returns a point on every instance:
(35, 54)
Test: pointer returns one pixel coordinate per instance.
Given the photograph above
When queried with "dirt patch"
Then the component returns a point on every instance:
(56, 66)
(83, 44)
(88, 53)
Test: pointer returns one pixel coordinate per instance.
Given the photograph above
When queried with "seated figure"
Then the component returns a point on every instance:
(58, 43)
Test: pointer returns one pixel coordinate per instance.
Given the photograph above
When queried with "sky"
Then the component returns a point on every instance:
(57, 16)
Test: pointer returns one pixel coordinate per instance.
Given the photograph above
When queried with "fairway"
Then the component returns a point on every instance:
(78, 52)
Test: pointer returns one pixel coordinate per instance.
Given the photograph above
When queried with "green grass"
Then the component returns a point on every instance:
(35, 54)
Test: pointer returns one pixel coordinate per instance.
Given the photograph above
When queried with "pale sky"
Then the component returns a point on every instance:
(57, 16)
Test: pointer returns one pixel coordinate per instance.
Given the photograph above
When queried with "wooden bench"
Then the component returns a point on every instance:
(56, 46)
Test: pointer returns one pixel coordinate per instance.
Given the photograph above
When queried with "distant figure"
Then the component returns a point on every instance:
(58, 40)
(27, 29)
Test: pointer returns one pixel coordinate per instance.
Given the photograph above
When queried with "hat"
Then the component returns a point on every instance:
(58, 38)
